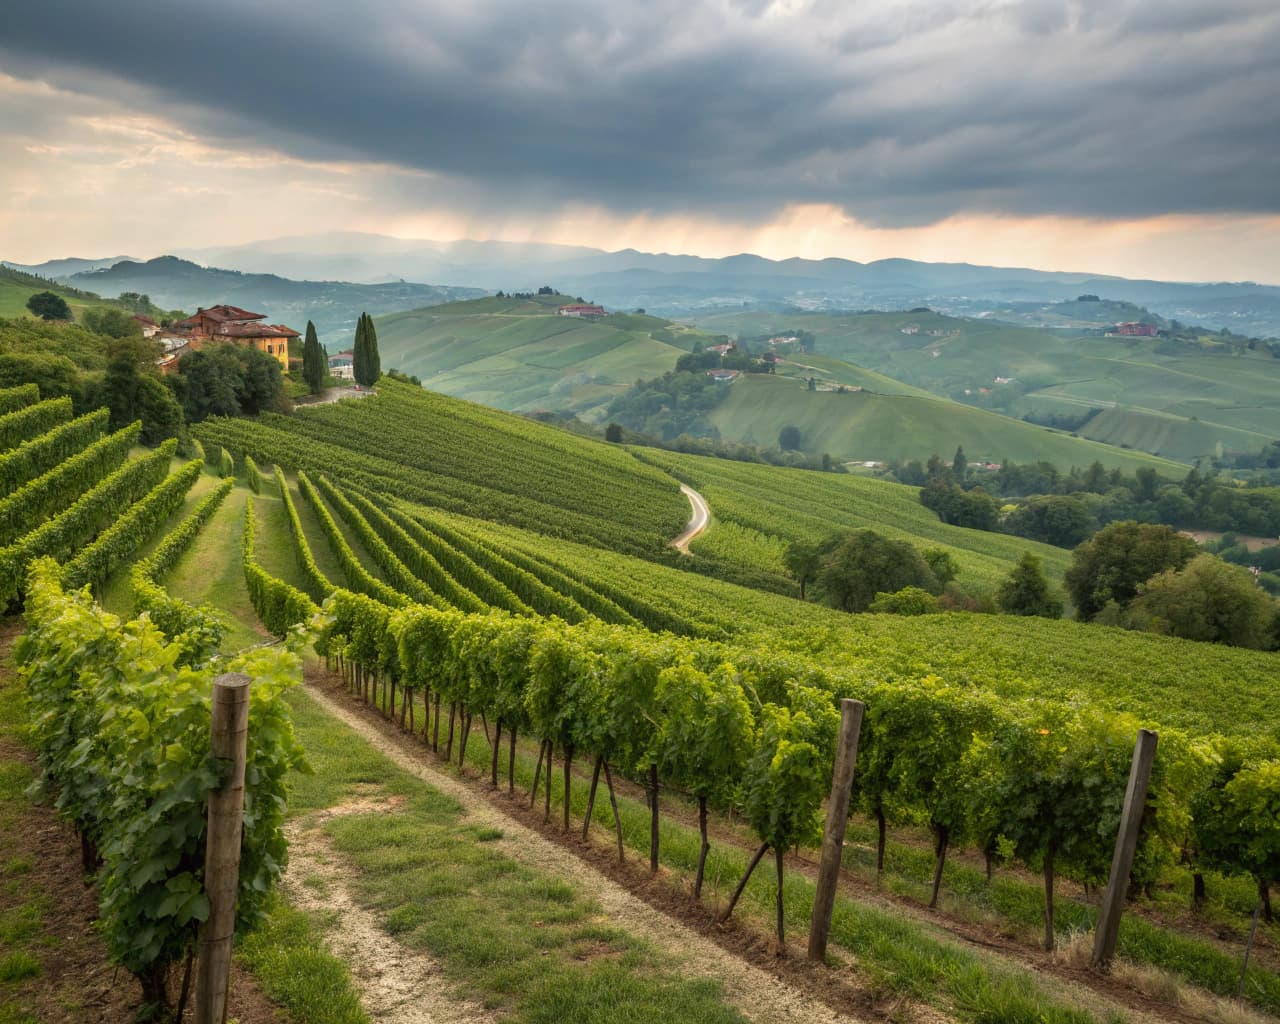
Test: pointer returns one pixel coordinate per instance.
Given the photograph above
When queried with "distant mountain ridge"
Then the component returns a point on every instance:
(681, 285)
(175, 283)
(676, 285)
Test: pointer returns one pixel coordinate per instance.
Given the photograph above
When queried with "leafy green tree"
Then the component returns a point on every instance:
(959, 465)
(613, 433)
(1115, 561)
(1209, 600)
(48, 306)
(229, 380)
(314, 364)
(941, 563)
(863, 564)
(790, 438)
(1061, 520)
(111, 323)
(132, 389)
(1025, 591)
(803, 560)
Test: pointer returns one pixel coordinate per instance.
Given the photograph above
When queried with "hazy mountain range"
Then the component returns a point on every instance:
(174, 283)
(668, 285)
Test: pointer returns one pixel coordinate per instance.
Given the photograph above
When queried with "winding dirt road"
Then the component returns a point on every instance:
(697, 523)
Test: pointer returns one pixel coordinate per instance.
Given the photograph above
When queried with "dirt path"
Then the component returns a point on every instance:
(697, 523)
(756, 994)
(391, 978)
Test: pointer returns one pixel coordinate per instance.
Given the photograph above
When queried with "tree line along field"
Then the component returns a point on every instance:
(1202, 397)
(518, 620)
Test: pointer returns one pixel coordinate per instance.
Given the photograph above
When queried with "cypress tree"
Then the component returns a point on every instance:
(365, 360)
(314, 364)
(358, 351)
(373, 360)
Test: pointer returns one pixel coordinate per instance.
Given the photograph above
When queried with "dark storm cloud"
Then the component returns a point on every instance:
(900, 112)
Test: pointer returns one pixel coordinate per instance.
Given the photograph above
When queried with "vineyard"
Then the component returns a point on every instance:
(766, 508)
(472, 574)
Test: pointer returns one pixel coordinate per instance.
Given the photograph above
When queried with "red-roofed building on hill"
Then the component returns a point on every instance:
(237, 326)
(1135, 329)
(582, 309)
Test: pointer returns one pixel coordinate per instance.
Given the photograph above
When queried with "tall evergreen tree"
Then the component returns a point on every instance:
(374, 361)
(366, 362)
(358, 351)
(314, 364)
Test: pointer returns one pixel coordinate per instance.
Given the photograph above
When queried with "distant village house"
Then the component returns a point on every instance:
(1134, 329)
(236, 326)
(342, 365)
(583, 310)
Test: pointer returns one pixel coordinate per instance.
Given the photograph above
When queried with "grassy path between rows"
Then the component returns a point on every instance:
(511, 929)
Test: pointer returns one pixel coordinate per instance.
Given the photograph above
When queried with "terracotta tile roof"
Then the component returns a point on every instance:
(234, 330)
(223, 314)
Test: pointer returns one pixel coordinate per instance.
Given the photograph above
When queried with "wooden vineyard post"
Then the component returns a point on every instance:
(229, 730)
(824, 897)
(1135, 800)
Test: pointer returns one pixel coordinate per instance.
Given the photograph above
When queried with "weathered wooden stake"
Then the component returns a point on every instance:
(1135, 800)
(228, 735)
(1248, 948)
(824, 899)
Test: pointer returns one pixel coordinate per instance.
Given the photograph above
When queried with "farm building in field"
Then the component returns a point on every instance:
(238, 326)
(582, 309)
(1134, 329)
(342, 365)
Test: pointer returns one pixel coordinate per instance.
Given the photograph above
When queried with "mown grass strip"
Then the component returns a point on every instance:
(508, 936)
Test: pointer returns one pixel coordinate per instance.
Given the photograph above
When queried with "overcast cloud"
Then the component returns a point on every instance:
(898, 112)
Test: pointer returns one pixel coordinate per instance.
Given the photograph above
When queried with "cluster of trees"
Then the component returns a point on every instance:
(861, 570)
(1137, 575)
(1146, 576)
(1042, 503)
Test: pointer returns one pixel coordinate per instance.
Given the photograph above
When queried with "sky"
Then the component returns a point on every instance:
(1134, 137)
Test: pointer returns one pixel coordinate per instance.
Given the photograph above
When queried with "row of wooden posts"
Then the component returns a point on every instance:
(228, 740)
(1113, 899)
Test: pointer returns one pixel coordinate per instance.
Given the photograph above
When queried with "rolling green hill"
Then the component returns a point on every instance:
(862, 425)
(517, 354)
(16, 288)
(1218, 392)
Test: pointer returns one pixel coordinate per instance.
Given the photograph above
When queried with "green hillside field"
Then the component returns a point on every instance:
(1206, 396)
(517, 354)
(758, 510)
(862, 425)
(16, 288)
